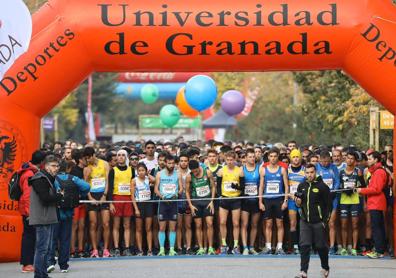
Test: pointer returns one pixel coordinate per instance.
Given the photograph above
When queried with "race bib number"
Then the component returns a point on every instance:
(144, 195)
(169, 188)
(228, 188)
(293, 187)
(98, 184)
(272, 188)
(124, 189)
(251, 189)
(203, 191)
(329, 182)
(349, 185)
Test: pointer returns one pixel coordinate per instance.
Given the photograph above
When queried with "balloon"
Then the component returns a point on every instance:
(169, 115)
(233, 102)
(183, 106)
(149, 93)
(201, 92)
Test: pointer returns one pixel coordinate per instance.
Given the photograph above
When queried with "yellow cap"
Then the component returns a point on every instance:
(295, 153)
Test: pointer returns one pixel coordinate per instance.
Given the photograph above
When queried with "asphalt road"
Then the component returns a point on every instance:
(218, 267)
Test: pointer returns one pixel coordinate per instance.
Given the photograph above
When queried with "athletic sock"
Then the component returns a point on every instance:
(235, 243)
(268, 245)
(161, 239)
(294, 237)
(279, 245)
(223, 242)
(172, 239)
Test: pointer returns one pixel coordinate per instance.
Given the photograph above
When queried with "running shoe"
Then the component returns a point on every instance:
(116, 253)
(139, 254)
(280, 251)
(64, 270)
(161, 252)
(200, 252)
(245, 252)
(296, 251)
(172, 252)
(127, 252)
(211, 251)
(324, 273)
(50, 268)
(28, 268)
(149, 254)
(344, 252)
(354, 252)
(106, 253)
(223, 250)
(333, 250)
(375, 255)
(339, 250)
(235, 251)
(302, 274)
(266, 251)
(189, 251)
(179, 251)
(252, 251)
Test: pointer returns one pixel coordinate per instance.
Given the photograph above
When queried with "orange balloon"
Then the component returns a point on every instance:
(355, 36)
(183, 106)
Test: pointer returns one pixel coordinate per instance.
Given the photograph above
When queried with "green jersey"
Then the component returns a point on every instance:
(200, 187)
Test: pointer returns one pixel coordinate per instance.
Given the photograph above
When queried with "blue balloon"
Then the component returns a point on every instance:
(201, 92)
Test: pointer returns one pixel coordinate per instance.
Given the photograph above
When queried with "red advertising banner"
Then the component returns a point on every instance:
(156, 76)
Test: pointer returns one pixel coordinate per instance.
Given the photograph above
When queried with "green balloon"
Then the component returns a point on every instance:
(169, 115)
(149, 93)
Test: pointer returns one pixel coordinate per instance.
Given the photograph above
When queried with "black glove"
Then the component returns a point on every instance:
(298, 195)
(349, 192)
(235, 186)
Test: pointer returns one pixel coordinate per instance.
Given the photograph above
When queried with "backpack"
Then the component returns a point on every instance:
(71, 194)
(14, 190)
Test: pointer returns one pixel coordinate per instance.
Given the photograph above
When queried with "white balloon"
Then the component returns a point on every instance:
(15, 32)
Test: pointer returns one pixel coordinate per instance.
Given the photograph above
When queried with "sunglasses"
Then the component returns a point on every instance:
(134, 158)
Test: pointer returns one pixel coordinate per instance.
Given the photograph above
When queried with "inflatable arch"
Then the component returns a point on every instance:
(72, 38)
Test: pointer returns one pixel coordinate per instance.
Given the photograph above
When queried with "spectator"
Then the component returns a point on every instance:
(63, 229)
(43, 212)
(376, 202)
(29, 233)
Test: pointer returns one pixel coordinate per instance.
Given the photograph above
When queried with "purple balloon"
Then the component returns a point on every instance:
(233, 102)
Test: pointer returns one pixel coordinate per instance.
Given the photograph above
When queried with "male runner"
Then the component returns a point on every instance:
(167, 187)
(330, 175)
(96, 174)
(150, 160)
(214, 167)
(250, 207)
(273, 182)
(120, 190)
(184, 218)
(200, 185)
(232, 182)
(351, 178)
(296, 175)
(337, 159)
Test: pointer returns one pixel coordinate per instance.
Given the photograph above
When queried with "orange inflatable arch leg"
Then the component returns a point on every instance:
(73, 38)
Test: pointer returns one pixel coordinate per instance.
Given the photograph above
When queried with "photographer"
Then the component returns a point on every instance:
(314, 198)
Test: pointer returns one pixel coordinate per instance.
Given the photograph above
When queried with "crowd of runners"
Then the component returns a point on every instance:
(208, 198)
